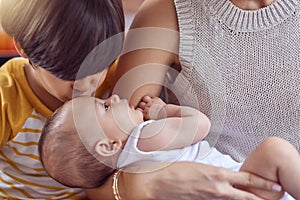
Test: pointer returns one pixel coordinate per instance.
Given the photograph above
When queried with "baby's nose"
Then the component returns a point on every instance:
(115, 98)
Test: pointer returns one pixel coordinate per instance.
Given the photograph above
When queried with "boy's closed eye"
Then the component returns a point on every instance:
(106, 106)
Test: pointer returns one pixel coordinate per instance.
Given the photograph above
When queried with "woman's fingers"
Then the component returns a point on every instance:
(200, 181)
(248, 180)
(236, 194)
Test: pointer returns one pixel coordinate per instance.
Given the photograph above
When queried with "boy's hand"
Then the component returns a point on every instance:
(152, 108)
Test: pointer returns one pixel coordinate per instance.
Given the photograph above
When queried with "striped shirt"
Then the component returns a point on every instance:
(21, 121)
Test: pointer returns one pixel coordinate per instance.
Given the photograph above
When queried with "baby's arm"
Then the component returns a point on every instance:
(277, 160)
(175, 126)
(155, 108)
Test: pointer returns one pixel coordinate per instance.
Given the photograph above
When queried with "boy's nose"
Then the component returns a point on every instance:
(84, 87)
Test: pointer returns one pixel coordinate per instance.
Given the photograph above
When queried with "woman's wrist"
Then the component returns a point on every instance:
(115, 186)
(136, 186)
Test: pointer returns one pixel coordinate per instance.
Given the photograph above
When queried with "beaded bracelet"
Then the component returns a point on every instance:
(115, 187)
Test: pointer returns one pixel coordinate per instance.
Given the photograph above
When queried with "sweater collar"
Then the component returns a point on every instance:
(240, 20)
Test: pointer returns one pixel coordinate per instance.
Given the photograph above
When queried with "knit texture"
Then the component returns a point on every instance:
(242, 69)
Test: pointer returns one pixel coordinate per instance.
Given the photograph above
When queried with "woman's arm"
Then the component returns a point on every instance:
(150, 47)
(181, 181)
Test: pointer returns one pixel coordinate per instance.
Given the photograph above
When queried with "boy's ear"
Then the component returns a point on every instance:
(107, 147)
(19, 49)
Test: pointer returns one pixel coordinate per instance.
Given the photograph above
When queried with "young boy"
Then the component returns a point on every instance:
(80, 152)
(59, 40)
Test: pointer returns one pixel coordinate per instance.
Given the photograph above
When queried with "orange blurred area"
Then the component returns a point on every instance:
(6, 45)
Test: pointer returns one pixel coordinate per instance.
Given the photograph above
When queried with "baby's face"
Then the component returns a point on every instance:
(112, 118)
(116, 117)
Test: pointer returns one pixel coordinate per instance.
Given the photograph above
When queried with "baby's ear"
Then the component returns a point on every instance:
(107, 147)
(19, 49)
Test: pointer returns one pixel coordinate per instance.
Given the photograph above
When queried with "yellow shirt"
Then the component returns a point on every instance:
(21, 121)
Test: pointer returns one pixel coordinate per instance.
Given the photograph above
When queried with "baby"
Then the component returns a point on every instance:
(87, 139)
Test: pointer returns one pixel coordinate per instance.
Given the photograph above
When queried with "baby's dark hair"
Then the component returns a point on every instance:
(66, 159)
(58, 35)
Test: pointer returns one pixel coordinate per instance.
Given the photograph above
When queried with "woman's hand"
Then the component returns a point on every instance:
(186, 180)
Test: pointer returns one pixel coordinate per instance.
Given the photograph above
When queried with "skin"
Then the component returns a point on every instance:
(115, 119)
(170, 130)
(252, 4)
(195, 181)
(111, 114)
(277, 160)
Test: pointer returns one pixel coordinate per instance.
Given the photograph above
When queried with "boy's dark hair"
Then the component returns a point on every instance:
(66, 159)
(57, 35)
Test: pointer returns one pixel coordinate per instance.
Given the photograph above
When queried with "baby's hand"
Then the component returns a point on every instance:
(152, 108)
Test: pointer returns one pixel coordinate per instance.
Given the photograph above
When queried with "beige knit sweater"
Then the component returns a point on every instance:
(241, 68)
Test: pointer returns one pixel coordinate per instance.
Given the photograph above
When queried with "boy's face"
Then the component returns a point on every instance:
(116, 117)
(65, 90)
